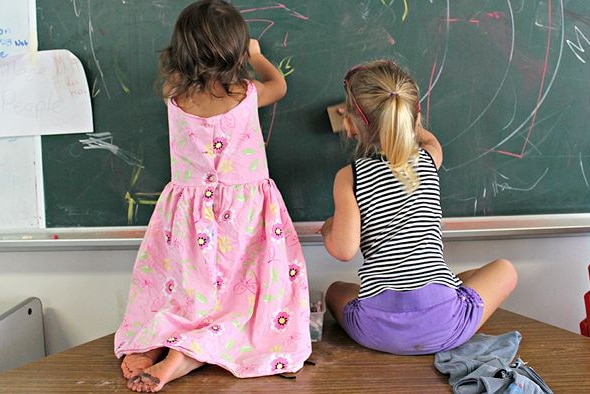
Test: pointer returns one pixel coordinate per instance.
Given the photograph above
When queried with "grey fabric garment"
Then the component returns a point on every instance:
(522, 368)
(496, 377)
(483, 365)
(480, 349)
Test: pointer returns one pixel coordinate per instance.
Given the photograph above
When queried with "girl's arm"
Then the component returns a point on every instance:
(342, 232)
(271, 85)
(429, 143)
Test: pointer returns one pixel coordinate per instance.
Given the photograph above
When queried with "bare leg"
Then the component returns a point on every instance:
(174, 366)
(134, 363)
(338, 295)
(466, 274)
(493, 282)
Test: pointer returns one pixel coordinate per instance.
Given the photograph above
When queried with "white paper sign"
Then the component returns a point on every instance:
(18, 27)
(44, 93)
(20, 183)
(20, 158)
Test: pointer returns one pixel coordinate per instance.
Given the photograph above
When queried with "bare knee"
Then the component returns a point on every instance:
(335, 288)
(510, 275)
(494, 281)
(338, 295)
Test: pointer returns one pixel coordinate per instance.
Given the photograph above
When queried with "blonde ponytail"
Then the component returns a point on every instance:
(382, 102)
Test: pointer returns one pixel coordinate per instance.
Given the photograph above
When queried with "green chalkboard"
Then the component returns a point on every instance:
(505, 86)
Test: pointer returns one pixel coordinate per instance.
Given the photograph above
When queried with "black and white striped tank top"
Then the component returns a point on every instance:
(401, 239)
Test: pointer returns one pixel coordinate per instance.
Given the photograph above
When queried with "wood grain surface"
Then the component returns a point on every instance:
(561, 357)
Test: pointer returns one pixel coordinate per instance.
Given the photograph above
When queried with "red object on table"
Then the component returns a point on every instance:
(584, 323)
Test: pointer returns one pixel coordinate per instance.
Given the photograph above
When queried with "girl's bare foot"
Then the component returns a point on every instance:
(133, 364)
(174, 366)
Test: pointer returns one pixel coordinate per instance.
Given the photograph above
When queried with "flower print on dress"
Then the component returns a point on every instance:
(174, 339)
(169, 286)
(220, 284)
(295, 269)
(168, 237)
(292, 338)
(281, 320)
(277, 232)
(227, 216)
(210, 178)
(216, 328)
(279, 363)
(219, 145)
(272, 259)
(249, 283)
(203, 240)
(182, 139)
(227, 246)
(208, 195)
(142, 283)
(228, 123)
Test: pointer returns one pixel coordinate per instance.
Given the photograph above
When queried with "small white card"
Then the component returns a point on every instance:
(44, 93)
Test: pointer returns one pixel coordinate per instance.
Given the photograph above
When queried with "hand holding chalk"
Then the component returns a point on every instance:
(336, 115)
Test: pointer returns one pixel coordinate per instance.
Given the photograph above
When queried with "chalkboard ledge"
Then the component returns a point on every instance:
(454, 229)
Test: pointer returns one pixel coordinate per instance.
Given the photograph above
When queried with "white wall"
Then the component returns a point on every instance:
(84, 292)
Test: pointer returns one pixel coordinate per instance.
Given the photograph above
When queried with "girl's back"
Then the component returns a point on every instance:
(220, 275)
(206, 104)
(218, 144)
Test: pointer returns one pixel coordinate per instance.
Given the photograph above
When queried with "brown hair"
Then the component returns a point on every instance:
(382, 102)
(209, 44)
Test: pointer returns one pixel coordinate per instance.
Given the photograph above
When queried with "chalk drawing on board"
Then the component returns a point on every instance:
(580, 45)
(489, 73)
(44, 93)
(512, 115)
(133, 198)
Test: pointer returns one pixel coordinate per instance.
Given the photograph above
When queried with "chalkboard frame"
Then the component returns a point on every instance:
(453, 230)
(513, 130)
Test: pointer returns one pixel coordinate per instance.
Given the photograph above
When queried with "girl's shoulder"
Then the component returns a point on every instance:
(249, 93)
(425, 157)
(251, 87)
(207, 105)
(378, 160)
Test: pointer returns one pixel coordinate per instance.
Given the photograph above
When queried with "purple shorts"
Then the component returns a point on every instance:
(422, 321)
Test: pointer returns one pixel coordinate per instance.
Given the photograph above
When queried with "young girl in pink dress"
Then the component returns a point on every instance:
(220, 276)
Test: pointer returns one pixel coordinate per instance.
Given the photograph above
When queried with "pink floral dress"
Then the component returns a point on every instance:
(220, 274)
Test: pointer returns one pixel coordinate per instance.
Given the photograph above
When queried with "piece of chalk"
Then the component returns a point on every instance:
(336, 115)
(54, 236)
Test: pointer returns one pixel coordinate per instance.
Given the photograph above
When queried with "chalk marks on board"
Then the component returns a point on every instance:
(505, 184)
(543, 17)
(505, 33)
(244, 11)
(580, 46)
(284, 65)
(133, 198)
(581, 161)
(509, 101)
(503, 85)
(105, 141)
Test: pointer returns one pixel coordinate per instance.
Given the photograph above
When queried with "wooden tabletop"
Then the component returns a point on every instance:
(561, 358)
